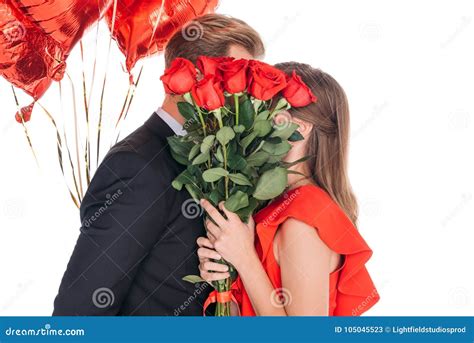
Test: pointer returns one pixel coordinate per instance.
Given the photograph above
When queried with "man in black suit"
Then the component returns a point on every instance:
(138, 234)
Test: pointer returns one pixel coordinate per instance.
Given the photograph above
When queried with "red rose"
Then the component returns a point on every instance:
(234, 75)
(210, 65)
(265, 81)
(208, 93)
(297, 93)
(180, 77)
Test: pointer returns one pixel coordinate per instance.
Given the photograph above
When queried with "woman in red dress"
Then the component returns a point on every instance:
(302, 255)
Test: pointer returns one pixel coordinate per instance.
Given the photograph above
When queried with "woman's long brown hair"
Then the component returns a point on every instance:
(327, 144)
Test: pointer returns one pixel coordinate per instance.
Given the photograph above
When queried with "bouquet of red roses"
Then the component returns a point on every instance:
(233, 148)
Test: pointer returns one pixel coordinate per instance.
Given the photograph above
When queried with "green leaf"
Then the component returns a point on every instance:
(201, 158)
(236, 162)
(180, 159)
(207, 143)
(262, 128)
(296, 136)
(219, 155)
(193, 279)
(215, 197)
(262, 115)
(281, 104)
(184, 178)
(274, 140)
(239, 128)
(194, 191)
(214, 174)
(245, 213)
(240, 179)
(245, 142)
(284, 131)
(271, 184)
(186, 110)
(237, 201)
(276, 158)
(225, 135)
(246, 114)
(194, 151)
(277, 149)
(179, 147)
(258, 158)
(217, 114)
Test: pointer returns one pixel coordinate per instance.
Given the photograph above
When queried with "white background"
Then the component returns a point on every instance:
(408, 70)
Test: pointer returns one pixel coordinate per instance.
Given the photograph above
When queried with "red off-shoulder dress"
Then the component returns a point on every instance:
(352, 291)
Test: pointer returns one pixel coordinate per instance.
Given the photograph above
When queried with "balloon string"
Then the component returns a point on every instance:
(73, 169)
(76, 135)
(59, 146)
(99, 125)
(127, 103)
(87, 153)
(28, 138)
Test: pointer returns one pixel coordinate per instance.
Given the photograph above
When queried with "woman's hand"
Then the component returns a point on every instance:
(231, 238)
(209, 270)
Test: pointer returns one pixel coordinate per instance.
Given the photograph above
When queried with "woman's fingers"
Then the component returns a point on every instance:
(210, 266)
(212, 271)
(213, 213)
(205, 253)
(213, 229)
(204, 242)
(212, 239)
(209, 277)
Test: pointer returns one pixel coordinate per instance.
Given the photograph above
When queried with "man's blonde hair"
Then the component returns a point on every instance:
(213, 35)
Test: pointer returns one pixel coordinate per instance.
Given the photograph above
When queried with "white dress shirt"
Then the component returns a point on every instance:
(171, 122)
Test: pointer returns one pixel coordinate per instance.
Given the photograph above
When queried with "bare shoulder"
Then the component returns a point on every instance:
(298, 240)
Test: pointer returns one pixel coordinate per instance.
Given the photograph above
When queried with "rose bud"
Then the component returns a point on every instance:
(265, 81)
(180, 77)
(208, 93)
(210, 65)
(234, 75)
(297, 93)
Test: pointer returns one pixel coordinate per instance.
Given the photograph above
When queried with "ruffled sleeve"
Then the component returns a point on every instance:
(355, 291)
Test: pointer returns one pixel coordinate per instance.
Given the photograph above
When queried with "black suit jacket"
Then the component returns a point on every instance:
(138, 236)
